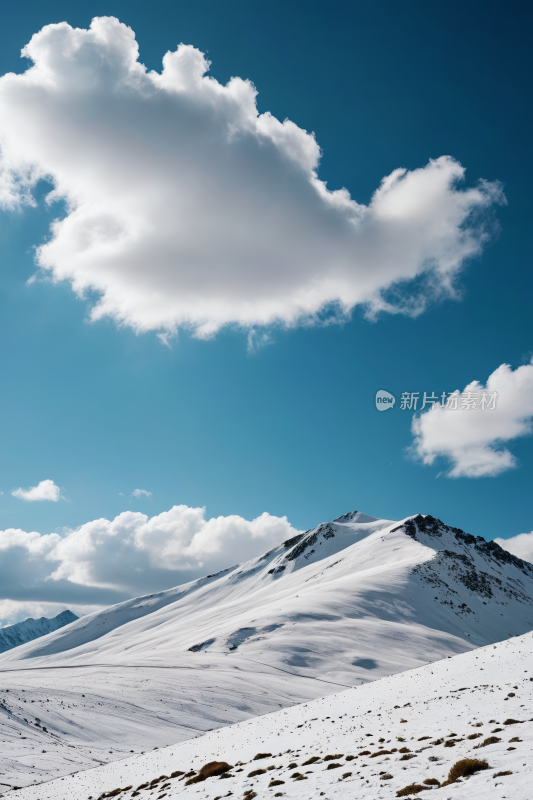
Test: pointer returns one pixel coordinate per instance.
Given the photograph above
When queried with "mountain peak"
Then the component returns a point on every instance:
(356, 516)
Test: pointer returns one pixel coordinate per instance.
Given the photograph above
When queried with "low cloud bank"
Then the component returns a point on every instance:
(521, 546)
(105, 561)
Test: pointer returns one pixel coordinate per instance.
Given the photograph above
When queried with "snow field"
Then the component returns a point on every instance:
(447, 701)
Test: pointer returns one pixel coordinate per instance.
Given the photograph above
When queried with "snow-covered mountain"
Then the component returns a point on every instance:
(30, 629)
(349, 602)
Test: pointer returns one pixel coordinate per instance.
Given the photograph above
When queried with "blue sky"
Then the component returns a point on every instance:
(289, 428)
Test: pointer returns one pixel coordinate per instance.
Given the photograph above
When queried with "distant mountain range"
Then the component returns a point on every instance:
(348, 602)
(23, 632)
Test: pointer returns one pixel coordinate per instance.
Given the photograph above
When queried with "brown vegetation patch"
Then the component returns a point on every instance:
(404, 750)
(485, 742)
(414, 788)
(364, 753)
(255, 772)
(346, 774)
(301, 778)
(332, 758)
(209, 770)
(432, 782)
(261, 755)
(385, 777)
(511, 721)
(381, 753)
(501, 774)
(464, 768)
(407, 756)
(334, 766)
(275, 783)
(474, 736)
(313, 760)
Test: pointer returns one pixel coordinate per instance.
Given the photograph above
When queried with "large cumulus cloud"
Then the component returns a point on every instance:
(105, 561)
(185, 207)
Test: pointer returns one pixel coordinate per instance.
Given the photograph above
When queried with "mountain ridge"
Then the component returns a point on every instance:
(343, 604)
(30, 629)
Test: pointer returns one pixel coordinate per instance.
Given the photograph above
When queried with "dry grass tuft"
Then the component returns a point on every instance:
(385, 777)
(404, 750)
(350, 758)
(383, 753)
(346, 774)
(464, 768)
(485, 742)
(511, 721)
(414, 788)
(209, 770)
(255, 772)
(474, 736)
(334, 766)
(432, 782)
(261, 755)
(275, 783)
(311, 760)
(332, 758)
(301, 778)
(501, 774)
(407, 756)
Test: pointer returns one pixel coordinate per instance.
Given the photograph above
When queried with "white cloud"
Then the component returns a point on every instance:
(185, 207)
(521, 545)
(473, 441)
(141, 493)
(45, 490)
(104, 561)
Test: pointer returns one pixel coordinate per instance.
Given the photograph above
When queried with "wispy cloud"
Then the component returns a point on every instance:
(141, 493)
(45, 490)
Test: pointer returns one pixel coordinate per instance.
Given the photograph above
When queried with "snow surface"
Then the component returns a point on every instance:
(22, 632)
(419, 710)
(347, 603)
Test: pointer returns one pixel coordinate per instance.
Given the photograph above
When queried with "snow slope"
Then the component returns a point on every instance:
(384, 736)
(30, 629)
(349, 602)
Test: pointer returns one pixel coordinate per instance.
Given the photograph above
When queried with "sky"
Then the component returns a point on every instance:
(203, 288)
